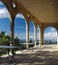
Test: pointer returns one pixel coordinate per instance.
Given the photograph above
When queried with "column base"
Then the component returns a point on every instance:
(35, 45)
(27, 46)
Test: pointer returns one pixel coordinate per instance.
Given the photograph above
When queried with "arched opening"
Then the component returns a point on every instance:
(37, 34)
(20, 29)
(50, 35)
(31, 32)
(4, 25)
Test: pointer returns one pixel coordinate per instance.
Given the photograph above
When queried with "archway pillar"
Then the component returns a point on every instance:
(35, 34)
(12, 32)
(41, 42)
(27, 35)
(57, 37)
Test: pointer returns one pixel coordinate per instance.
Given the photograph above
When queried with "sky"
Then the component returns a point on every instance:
(50, 33)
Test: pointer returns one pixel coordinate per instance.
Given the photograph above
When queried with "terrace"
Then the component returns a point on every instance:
(44, 14)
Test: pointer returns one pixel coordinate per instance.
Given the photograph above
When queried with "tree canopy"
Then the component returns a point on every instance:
(5, 39)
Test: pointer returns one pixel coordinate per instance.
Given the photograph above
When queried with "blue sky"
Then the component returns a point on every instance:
(20, 26)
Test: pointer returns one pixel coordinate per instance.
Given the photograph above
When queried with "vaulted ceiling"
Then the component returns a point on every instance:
(44, 10)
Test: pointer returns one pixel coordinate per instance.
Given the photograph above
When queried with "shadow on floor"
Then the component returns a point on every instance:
(38, 58)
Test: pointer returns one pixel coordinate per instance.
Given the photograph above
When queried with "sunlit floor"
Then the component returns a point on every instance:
(41, 55)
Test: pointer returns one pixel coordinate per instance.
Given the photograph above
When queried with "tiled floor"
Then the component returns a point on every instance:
(39, 57)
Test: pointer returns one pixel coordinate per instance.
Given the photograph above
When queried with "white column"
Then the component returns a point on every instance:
(35, 36)
(39, 38)
(41, 35)
(27, 36)
(11, 33)
(12, 36)
(57, 37)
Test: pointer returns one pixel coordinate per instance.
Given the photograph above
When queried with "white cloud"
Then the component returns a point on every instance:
(50, 35)
(38, 29)
(47, 36)
(4, 13)
(31, 37)
(31, 34)
(1, 3)
(38, 36)
(52, 29)
(20, 16)
(20, 36)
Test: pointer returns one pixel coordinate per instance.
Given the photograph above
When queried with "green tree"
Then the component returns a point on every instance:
(16, 41)
(4, 39)
(2, 34)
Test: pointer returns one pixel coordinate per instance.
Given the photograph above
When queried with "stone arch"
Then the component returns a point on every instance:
(10, 15)
(6, 14)
(50, 25)
(31, 31)
(50, 34)
(6, 5)
(20, 27)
